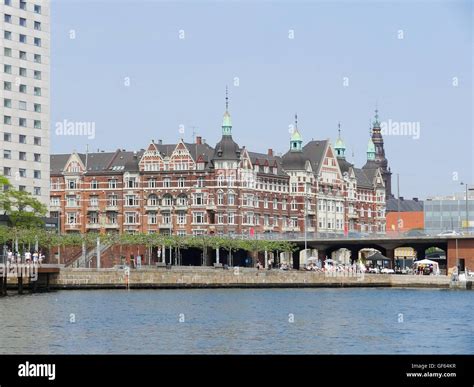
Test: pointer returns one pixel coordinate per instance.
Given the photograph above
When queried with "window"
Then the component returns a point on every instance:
(37, 124)
(8, 2)
(113, 183)
(93, 218)
(181, 218)
(7, 120)
(166, 218)
(71, 184)
(22, 38)
(37, 25)
(94, 184)
(152, 183)
(7, 103)
(22, 172)
(23, 4)
(7, 137)
(275, 204)
(7, 35)
(37, 108)
(37, 141)
(54, 201)
(200, 182)
(112, 200)
(37, 42)
(7, 69)
(22, 139)
(37, 157)
(22, 55)
(7, 154)
(22, 156)
(22, 105)
(265, 203)
(71, 218)
(22, 88)
(231, 218)
(181, 182)
(37, 75)
(22, 22)
(7, 51)
(37, 58)
(283, 204)
(131, 200)
(71, 201)
(37, 91)
(152, 218)
(130, 217)
(152, 200)
(22, 72)
(7, 18)
(37, 8)
(22, 122)
(198, 199)
(7, 171)
(198, 217)
(220, 218)
(94, 201)
(166, 182)
(36, 174)
(7, 86)
(293, 187)
(182, 200)
(231, 199)
(167, 200)
(220, 198)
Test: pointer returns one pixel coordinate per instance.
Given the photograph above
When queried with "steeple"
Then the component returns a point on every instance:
(296, 142)
(226, 122)
(340, 147)
(371, 150)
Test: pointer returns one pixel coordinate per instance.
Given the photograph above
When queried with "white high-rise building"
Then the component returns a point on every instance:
(24, 95)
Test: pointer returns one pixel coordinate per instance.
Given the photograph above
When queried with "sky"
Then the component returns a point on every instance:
(141, 70)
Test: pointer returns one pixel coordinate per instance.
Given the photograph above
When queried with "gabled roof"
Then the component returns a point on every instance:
(405, 205)
(363, 181)
(314, 151)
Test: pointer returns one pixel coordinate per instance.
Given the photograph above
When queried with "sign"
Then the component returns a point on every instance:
(252, 231)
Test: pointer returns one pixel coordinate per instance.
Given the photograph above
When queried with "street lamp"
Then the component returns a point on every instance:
(467, 205)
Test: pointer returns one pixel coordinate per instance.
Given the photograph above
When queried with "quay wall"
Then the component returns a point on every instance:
(69, 278)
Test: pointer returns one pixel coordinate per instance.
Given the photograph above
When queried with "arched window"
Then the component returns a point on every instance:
(167, 200)
(152, 200)
(182, 200)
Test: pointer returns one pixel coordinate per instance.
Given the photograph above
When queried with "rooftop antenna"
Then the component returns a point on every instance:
(226, 98)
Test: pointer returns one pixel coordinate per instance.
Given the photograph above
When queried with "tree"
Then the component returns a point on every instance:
(24, 210)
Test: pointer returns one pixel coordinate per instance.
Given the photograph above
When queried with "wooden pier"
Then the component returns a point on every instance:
(37, 278)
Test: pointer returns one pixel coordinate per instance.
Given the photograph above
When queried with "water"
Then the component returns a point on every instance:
(328, 321)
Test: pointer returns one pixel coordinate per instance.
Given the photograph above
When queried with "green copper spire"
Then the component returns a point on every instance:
(340, 147)
(226, 122)
(370, 150)
(296, 142)
(376, 122)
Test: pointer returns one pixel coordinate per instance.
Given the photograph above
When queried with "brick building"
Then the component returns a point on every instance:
(194, 189)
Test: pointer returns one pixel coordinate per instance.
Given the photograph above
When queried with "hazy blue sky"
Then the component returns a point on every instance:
(424, 78)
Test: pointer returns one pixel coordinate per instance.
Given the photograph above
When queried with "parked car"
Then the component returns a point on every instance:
(373, 270)
(386, 270)
(449, 233)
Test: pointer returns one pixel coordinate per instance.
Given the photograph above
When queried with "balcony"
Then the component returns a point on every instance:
(165, 225)
(310, 212)
(111, 207)
(152, 207)
(181, 207)
(211, 207)
(72, 205)
(111, 225)
(93, 226)
(72, 226)
(166, 208)
(353, 215)
(93, 208)
(55, 207)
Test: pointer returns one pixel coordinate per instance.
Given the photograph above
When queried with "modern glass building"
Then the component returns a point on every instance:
(450, 213)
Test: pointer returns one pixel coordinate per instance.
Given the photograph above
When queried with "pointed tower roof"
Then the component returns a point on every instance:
(227, 148)
(339, 145)
(226, 121)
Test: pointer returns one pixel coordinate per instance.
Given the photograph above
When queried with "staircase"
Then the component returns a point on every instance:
(81, 260)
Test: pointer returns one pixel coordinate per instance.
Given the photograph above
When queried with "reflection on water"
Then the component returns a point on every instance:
(239, 321)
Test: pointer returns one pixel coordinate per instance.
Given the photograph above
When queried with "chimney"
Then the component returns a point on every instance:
(152, 141)
(160, 142)
(203, 140)
(270, 152)
(198, 140)
(401, 197)
(415, 199)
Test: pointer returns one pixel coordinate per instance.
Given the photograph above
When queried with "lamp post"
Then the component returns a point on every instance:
(467, 206)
